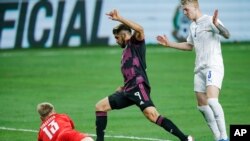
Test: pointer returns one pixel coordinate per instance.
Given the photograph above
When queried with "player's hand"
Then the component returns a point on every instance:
(119, 89)
(163, 40)
(215, 18)
(114, 15)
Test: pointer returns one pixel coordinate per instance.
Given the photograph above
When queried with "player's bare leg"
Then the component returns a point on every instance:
(213, 102)
(101, 117)
(152, 114)
(103, 105)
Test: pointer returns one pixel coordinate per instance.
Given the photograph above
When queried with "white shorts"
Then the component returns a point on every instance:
(206, 77)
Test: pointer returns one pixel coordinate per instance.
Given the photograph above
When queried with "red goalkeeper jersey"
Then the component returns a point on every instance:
(58, 127)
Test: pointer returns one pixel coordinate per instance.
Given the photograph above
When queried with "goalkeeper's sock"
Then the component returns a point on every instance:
(219, 116)
(101, 123)
(169, 126)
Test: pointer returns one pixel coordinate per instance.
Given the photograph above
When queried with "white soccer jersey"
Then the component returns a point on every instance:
(205, 38)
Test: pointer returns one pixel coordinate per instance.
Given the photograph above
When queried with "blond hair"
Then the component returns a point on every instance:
(44, 109)
(185, 2)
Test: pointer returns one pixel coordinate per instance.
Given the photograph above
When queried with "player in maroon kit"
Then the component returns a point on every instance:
(136, 88)
(57, 127)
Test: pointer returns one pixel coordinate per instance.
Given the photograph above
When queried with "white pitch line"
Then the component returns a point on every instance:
(107, 136)
(14, 129)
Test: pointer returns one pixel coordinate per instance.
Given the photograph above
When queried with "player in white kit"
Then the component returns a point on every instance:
(204, 37)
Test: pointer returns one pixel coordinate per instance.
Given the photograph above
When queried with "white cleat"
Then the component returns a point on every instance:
(190, 138)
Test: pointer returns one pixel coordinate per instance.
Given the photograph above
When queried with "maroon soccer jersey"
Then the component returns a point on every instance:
(58, 127)
(133, 64)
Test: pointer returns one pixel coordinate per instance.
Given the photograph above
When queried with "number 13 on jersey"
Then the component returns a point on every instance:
(51, 129)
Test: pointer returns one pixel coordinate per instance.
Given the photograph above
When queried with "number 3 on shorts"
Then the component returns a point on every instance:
(209, 76)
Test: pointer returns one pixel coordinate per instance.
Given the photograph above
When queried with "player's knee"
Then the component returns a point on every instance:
(99, 106)
(151, 114)
(202, 103)
(201, 99)
(87, 139)
(102, 105)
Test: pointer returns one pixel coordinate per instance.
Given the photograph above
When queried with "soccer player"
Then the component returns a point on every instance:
(136, 88)
(57, 127)
(204, 37)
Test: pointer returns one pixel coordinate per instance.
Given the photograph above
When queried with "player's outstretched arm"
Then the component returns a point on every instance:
(163, 40)
(139, 31)
(222, 30)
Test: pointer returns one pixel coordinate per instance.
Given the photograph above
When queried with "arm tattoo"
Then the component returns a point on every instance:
(223, 31)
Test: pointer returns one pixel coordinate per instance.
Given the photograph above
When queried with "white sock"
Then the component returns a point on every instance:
(219, 116)
(211, 122)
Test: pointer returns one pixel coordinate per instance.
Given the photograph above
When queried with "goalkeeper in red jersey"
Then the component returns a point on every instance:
(57, 127)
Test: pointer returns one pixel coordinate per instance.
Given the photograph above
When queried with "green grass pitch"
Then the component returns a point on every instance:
(74, 79)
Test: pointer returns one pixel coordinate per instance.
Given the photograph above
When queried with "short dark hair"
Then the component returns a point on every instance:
(121, 27)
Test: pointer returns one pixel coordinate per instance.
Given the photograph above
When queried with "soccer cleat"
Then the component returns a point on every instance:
(190, 138)
(224, 140)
